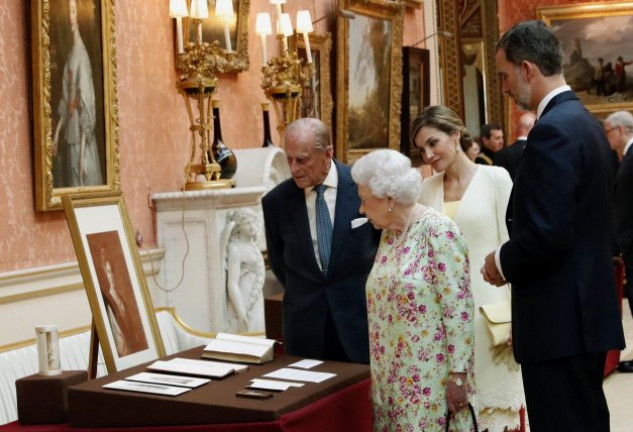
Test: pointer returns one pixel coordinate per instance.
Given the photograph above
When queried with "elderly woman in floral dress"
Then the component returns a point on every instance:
(419, 303)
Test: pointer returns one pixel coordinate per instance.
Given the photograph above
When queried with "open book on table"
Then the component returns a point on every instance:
(247, 349)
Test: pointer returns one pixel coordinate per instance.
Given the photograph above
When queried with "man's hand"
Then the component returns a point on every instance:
(490, 271)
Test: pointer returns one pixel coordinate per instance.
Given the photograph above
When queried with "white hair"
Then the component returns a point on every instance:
(388, 174)
(621, 118)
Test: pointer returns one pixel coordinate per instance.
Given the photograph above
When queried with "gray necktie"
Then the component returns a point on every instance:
(323, 227)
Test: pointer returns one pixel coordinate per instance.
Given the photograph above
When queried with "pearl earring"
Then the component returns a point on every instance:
(389, 209)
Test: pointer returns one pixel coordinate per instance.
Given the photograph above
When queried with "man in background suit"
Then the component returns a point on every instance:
(510, 157)
(559, 258)
(491, 137)
(324, 309)
(619, 129)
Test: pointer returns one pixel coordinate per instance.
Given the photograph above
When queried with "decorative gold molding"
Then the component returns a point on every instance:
(494, 96)
(41, 282)
(28, 342)
(415, 4)
(450, 57)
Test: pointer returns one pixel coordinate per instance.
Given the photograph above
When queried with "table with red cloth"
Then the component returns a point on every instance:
(341, 403)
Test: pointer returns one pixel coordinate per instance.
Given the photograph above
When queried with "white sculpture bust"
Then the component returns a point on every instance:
(245, 273)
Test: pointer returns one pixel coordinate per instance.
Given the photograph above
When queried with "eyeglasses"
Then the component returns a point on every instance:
(608, 130)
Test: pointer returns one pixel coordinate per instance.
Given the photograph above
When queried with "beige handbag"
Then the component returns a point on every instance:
(498, 318)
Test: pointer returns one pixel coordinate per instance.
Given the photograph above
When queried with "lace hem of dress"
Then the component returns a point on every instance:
(496, 420)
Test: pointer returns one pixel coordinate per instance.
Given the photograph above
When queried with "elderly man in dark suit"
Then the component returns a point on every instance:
(320, 259)
(559, 257)
(510, 157)
(619, 129)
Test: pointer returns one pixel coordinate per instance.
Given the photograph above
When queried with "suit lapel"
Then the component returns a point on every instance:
(346, 210)
(297, 212)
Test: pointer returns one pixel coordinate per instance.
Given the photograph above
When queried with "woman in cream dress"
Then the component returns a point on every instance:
(475, 197)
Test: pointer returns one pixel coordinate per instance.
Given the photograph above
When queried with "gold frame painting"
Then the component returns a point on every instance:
(75, 120)
(213, 30)
(416, 95)
(122, 310)
(316, 100)
(368, 78)
(587, 32)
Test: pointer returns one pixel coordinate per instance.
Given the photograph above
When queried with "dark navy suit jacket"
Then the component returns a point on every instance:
(623, 202)
(559, 256)
(510, 157)
(309, 295)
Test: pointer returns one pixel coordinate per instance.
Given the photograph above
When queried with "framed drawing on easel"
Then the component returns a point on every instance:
(124, 324)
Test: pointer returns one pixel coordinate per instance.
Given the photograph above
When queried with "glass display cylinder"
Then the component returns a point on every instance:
(223, 155)
(268, 142)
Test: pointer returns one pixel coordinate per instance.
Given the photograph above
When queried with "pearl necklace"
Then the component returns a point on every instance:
(413, 216)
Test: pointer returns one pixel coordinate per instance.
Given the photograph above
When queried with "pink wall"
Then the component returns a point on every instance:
(153, 133)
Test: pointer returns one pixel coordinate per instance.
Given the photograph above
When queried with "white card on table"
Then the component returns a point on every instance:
(146, 388)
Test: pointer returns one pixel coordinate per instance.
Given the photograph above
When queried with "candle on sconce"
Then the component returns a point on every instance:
(278, 4)
(224, 10)
(304, 25)
(263, 27)
(199, 10)
(178, 10)
(285, 27)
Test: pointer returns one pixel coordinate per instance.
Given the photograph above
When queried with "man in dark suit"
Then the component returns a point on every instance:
(491, 137)
(510, 157)
(324, 309)
(619, 130)
(559, 257)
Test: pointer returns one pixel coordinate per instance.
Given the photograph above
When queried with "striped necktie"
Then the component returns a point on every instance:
(323, 227)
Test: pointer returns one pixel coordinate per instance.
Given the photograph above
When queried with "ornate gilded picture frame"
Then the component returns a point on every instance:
(368, 78)
(590, 32)
(213, 30)
(416, 95)
(316, 99)
(122, 310)
(75, 120)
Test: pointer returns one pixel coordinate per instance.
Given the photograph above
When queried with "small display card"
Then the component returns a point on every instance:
(306, 364)
(171, 380)
(300, 375)
(264, 384)
(146, 388)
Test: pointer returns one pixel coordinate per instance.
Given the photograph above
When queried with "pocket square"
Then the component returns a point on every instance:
(359, 222)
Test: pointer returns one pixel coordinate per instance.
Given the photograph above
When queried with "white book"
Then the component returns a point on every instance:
(143, 387)
(247, 349)
(196, 367)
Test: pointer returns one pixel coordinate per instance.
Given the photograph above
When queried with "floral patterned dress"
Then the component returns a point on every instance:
(420, 312)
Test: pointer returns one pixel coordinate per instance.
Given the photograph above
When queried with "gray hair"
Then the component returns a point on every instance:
(621, 118)
(388, 174)
(307, 128)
